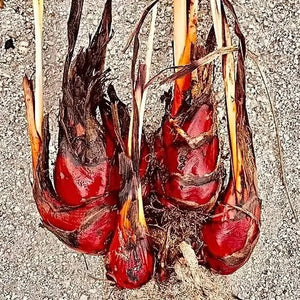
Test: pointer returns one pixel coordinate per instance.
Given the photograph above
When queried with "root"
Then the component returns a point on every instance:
(169, 228)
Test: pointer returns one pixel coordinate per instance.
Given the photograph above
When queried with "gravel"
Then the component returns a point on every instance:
(34, 264)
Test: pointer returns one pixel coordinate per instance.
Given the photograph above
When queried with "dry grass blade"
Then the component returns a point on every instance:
(148, 68)
(198, 63)
(282, 171)
(39, 103)
(138, 85)
(138, 26)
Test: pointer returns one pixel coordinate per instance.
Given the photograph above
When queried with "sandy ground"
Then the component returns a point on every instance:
(35, 265)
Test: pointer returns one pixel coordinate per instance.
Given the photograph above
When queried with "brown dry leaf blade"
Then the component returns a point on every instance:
(198, 63)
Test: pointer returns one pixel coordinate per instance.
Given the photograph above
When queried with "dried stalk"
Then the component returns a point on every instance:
(39, 103)
(180, 28)
(138, 93)
(229, 84)
(148, 68)
(281, 162)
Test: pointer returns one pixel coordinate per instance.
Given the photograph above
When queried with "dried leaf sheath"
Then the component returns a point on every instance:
(82, 210)
(230, 236)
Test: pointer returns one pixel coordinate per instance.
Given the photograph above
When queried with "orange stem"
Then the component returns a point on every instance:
(35, 139)
(189, 36)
